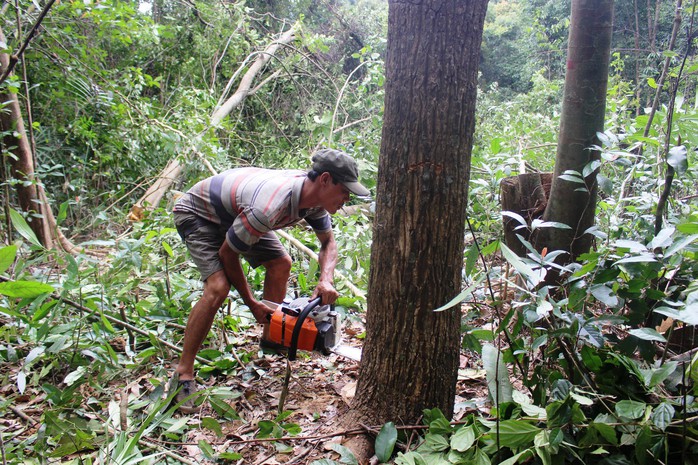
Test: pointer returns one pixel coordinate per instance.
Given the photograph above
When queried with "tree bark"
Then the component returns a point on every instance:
(411, 355)
(22, 162)
(583, 112)
(526, 195)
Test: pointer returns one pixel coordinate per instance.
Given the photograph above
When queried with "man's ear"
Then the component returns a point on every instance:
(325, 178)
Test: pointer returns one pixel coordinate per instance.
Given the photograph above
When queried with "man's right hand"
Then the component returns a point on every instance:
(261, 312)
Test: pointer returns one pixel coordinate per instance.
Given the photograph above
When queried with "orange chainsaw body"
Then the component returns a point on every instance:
(280, 330)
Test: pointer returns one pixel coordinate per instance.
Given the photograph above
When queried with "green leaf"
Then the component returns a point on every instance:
(497, 374)
(688, 228)
(437, 442)
(346, 456)
(678, 159)
(534, 277)
(7, 257)
(647, 334)
(213, 425)
(652, 83)
(23, 228)
(516, 433)
(463, 439)
(605, 294)
(385, 442)
(523, 455)
(457, 299)
(206, 448)
(24, 289)
(630, 409)
(662, 415)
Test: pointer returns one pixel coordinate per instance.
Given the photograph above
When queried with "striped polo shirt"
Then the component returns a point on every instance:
(250, 202)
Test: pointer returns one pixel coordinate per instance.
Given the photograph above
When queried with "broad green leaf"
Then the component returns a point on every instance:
(385, 442)
(497, 374)
(663, 239)
(62, 212)
(346, 456)
(633, 246)
(662, 415)
(437, 442)
(655, 376)
(534, 277)
(168, 249)
(213, 425)
(688, 228)
(20, 224)
(607, 432)
(647, 334)
(74, 376)
(516, 433)
(206, 448)
(688, 315)
(678, 159)
(630, 409)
(535, 224)
(516, 217)
(605, 295)
(463, 439)
(523, 456)
(643, 258)
(679, 245)
(24, 289)
(7, 257)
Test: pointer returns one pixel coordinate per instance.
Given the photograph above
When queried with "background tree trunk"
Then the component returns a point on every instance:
(22, 162)
(411, 355)
(583, 112)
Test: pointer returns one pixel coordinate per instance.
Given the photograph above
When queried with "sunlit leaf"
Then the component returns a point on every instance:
(22, 227)
(463, 439)
(678, 159)
(7, 257)
(647, 334)
(24, 289)
(498, 382)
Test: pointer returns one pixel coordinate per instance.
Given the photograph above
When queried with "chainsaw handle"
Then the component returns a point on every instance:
(299, 323)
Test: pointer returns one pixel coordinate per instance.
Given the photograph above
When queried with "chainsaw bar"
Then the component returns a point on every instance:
(350, 352)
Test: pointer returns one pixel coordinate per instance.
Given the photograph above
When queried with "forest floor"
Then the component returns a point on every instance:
(319, 393)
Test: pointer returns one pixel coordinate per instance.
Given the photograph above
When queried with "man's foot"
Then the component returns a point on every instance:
(186, 390)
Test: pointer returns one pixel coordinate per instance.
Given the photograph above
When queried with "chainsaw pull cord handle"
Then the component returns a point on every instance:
(299, 323)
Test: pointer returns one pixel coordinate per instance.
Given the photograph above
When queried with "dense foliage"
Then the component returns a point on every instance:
(118, 88)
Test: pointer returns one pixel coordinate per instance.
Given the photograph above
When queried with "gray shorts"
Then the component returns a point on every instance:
(204, 239)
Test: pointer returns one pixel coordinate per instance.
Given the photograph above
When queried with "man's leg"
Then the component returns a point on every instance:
(216, 288)
(277, 272)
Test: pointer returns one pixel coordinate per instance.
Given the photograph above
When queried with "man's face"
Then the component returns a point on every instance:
(335, 195)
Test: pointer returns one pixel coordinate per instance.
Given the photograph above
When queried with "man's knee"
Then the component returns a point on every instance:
(279, 267)
(217, 288)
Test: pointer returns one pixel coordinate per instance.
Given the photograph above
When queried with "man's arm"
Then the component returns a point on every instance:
(234, 273)
(327, 259)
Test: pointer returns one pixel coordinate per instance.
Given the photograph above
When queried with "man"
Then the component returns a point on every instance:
(234, 214)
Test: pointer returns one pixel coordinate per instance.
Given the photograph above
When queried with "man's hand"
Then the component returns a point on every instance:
(327, 292)
(261, 312)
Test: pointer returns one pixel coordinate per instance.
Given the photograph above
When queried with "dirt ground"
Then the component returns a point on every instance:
(319, 393)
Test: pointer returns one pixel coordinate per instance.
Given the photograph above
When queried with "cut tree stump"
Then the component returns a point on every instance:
(526, 195)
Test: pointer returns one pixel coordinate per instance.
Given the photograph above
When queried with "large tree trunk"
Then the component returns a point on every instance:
(583, 111)
(22, 163)
(411, 355)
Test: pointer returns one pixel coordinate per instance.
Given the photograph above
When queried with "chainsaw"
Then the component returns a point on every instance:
(303, 324)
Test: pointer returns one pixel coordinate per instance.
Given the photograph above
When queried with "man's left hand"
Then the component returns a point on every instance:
(327, 292)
